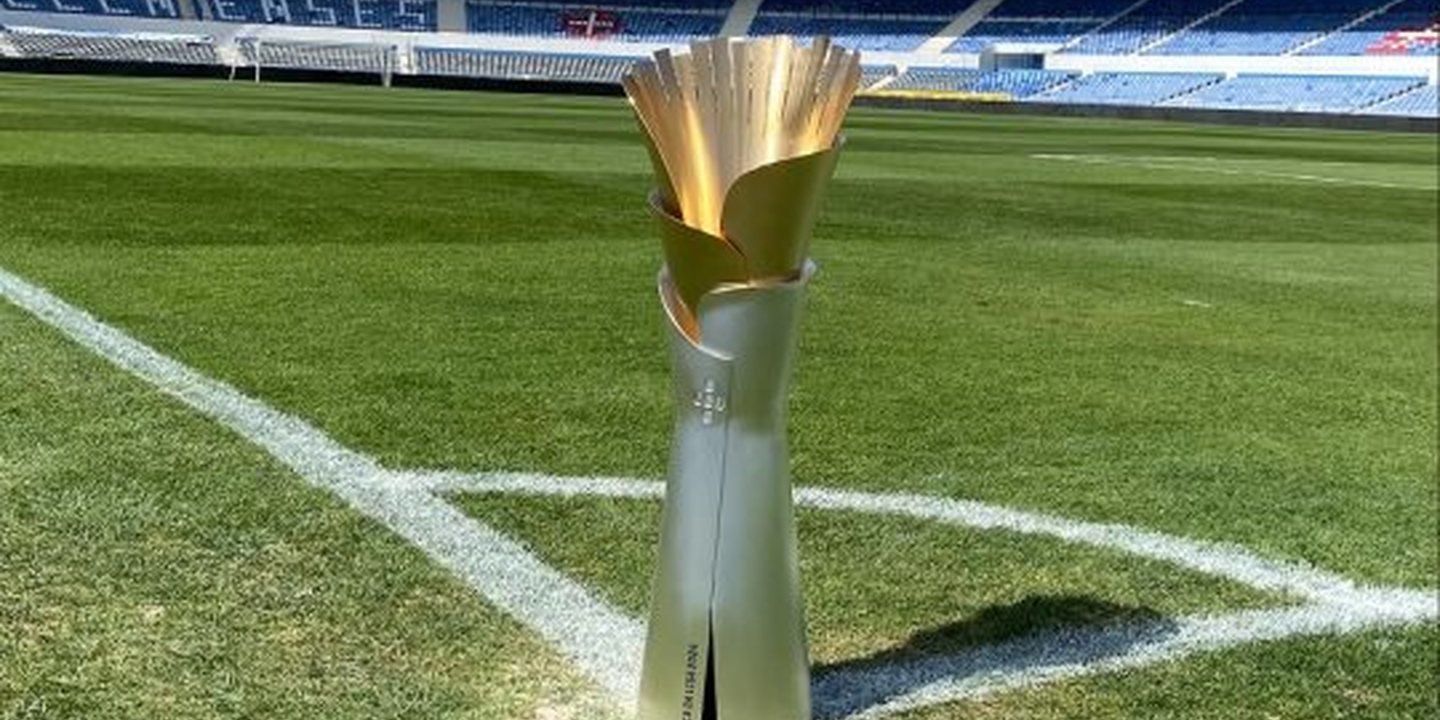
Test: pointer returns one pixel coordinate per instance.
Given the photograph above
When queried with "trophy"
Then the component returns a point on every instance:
(743, 136)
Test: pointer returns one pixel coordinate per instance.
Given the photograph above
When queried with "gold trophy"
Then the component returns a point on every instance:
(744, 136)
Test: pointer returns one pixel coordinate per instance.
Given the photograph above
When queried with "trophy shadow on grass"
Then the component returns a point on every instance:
(1040, 630)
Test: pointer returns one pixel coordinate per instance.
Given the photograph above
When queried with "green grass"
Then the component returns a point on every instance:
(155, 567)
(465, 281)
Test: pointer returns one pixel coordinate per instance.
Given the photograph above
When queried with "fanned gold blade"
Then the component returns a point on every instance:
(770, 212)
(743, 136)
(698, 262)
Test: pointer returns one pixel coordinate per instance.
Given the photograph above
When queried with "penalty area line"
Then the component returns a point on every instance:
(1231, 562)
(1207, 165)
(1333, 605)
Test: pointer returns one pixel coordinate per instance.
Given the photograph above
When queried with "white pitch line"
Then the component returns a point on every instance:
(1227, 561)
(1141, 161)
(1334, 604)
(607, 645)
(602, 641)
(1059, 655)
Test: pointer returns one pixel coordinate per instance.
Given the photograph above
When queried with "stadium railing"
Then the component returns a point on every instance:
(127, 47)
(505, 65)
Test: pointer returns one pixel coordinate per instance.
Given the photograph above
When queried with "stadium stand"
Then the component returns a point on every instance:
(118, 8)
(872, 74)
(414, 15)
(868, 7)
(1015, 83)
(1264, 27)
(898, 35)
(1423, 101)
(635, 20)
(1292, 93)
(862, 24)
(1356, 56)
(1145, 25)
(1127, 88)
(459, 62)
(1409, 27)
(127, 47)
(1038, 22)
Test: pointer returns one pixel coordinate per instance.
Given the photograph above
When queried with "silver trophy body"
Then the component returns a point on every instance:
(744, 136)
(726, 607)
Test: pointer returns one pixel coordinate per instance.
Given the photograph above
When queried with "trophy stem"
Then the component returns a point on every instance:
(726, 637)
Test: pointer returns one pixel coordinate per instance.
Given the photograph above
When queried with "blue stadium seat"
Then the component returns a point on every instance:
(118, 8)
(1037, 21)
(896, 35)
(1127, 88)
(1389, 33)
(868, 7)
(1015, 83)
(1421, 102)
(649, 20)
(418, 15)
(1297, 93)
(871, 74)
(1144, 25)
(1265, 27)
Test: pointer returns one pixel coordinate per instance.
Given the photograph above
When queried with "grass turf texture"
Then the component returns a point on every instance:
(458, 280)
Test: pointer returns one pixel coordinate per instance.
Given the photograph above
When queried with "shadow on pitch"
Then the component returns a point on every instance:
(1002, 640)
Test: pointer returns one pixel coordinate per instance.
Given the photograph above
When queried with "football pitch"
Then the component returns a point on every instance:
(345, 402)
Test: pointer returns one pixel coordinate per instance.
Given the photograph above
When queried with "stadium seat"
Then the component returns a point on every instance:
(1015, 83)
(1264, 27)
(896, 35)
(114, 8)
(1037, 22)
(1144, 25)
(1411, 27)
(1126, 88)
(1420, 102)
(643, 20)
(416, 15)
(1292, 93)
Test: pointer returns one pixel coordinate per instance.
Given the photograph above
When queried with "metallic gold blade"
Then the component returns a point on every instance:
(743, 136)
(698, 262)
(726, 136)
(770, 212)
